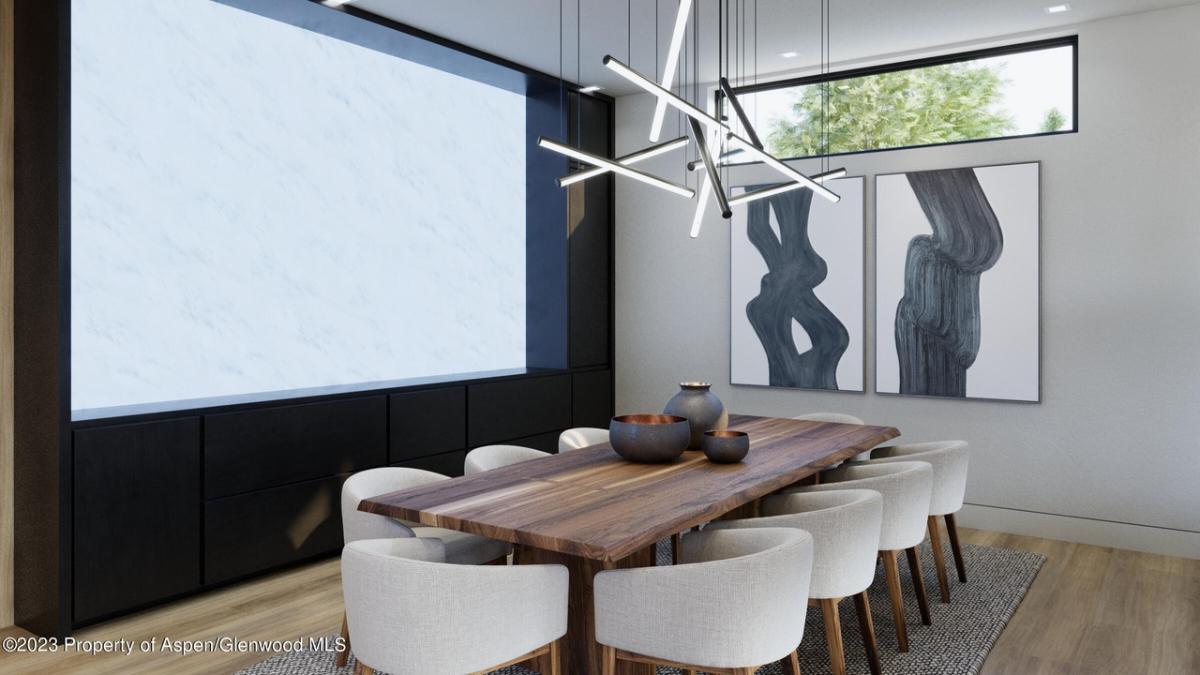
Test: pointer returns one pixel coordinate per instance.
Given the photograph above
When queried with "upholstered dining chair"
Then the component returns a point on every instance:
(949, 460)
(581, 437)
(736, 601)
(845, 526)
(458, 547)
(905, 488)
(488, 457)
(411, 613)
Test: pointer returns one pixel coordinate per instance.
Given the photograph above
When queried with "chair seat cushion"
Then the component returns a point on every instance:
(463, 548)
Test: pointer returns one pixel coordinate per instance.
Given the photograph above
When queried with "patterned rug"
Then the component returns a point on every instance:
(957, 643)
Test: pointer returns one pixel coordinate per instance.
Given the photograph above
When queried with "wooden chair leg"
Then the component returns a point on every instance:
(791, 665)
(866, 626)
(891, 568)
(675, 542)
(952, 530)
(555, 667)
(362, 669)
(833, 635)
(939, 558)
(914, 567)
(608, 658)
(343, 656)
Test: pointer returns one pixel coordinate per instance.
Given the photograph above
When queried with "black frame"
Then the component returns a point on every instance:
(44, 429)
(1071, 41)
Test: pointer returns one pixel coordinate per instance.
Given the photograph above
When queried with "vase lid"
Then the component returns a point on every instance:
(694, 385)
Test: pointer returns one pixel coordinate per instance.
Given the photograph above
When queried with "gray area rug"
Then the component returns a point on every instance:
(957, 643)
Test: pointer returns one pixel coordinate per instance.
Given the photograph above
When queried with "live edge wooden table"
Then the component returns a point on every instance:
(590, 510)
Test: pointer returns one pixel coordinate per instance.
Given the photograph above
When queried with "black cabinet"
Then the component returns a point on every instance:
(249, 533)
(258, 449)
(137, 515)
(592, 399)
(427, 423)
(446, 463)
(590, 246)
(508, 409)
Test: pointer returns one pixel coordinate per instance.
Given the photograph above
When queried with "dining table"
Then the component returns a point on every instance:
(591, 510)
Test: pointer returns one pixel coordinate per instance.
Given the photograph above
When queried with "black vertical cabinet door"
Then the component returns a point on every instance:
(592, 399)
(589, 226)
(137, 515)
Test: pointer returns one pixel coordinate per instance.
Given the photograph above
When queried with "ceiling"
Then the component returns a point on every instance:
(527, 31)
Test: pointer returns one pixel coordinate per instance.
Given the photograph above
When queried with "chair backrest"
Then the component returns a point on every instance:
(409, 613)
(839, 418)
(905, 488)
(490, 457)
(373, 482)
(581, 437)
(949, 460)
(844, 525)
(738, 599)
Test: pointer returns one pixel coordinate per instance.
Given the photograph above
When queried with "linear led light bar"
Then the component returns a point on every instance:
(727, 90)
(773, 190)
(660, 106)
(722, 161)
(708, 120)
(632, 158)
(698, 218)
(784, 168)
(596, 160)
(714, 179)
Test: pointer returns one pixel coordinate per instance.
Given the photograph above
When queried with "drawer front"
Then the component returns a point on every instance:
(447, 463)
(502, 411)
(427, 423)
(253, 532)
(257, 449)
(136, 515)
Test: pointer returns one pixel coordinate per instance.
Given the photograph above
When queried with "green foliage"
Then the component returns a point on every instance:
(940, 104)
(1053, 121)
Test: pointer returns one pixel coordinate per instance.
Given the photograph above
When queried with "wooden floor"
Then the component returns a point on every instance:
(1091, 610)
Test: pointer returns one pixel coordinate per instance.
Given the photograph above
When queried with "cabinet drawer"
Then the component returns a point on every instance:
(502, 411)
(257, 449)
(427, 422)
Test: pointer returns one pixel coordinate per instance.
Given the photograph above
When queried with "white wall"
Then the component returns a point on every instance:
(1111, 455)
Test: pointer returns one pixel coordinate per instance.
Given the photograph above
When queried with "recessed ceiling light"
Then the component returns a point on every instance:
(590, 88)
(335, 3)
(1058, 9)
(789, 55)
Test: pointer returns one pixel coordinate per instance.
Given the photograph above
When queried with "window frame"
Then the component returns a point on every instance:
(1071, 41)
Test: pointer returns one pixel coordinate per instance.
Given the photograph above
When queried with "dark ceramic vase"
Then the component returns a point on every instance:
(703, 409)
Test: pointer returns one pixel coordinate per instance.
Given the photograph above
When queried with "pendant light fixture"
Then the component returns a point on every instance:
(716, 141)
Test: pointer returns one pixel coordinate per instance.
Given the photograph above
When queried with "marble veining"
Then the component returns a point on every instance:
(256, 207)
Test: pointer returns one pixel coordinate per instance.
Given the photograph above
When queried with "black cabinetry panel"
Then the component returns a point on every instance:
(502, 411)
(592, 399)
(447, 463)
(258, 449)
(427, 423)
(137, 515)
(589, 225)
(254, 532)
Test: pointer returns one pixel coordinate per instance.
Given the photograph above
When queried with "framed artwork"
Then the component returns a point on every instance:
(796, 290)
(957, 283)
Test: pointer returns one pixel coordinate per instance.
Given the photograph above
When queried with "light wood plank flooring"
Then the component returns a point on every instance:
(1091, 610)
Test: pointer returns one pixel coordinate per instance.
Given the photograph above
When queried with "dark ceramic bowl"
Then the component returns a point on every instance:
(724, 446)
(649, 438)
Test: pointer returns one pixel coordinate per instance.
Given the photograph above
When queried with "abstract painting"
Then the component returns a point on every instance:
(957, 255)
(796, 290)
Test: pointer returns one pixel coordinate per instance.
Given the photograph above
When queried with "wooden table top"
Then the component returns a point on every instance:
(592, 503)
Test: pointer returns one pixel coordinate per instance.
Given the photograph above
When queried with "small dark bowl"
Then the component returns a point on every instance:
(649, 438)
(724, 446)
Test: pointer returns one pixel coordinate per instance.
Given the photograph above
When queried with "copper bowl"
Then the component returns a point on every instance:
(725, 446)
(649, 438)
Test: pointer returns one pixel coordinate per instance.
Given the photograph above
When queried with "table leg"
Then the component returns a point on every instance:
(579, 652)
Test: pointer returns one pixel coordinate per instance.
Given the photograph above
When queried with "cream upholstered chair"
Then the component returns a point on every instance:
(488, 457)
(457, 547)
(737, 601)
(581, 437)
(845, 526)
(413, 614)
(905, 488)
(949, 461)
(838, 418)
